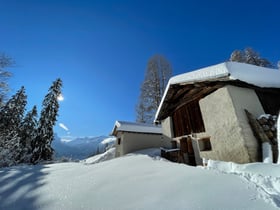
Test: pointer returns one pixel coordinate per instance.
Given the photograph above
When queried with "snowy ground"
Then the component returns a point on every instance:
(139, 181)
(108, 155)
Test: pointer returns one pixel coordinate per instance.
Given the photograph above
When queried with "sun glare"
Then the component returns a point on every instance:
(60, 97)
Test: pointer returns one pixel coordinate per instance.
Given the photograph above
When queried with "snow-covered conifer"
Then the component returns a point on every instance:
(250, 56)
(11, 116)
(28, 133)
(13, 111)
(42, 149)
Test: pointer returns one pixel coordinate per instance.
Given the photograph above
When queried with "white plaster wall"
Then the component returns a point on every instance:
(167, 132)
(244, 98)
(131, 142)
(167, 127)
(225, 122)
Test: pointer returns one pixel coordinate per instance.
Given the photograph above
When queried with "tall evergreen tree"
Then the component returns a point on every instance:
(157, 75)
(5, 61)
(42, 144)
(250, 56)
(12, 112)
(11, 116)
(28, 133)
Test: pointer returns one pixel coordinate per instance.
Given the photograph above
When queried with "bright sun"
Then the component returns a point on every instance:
(60, 97)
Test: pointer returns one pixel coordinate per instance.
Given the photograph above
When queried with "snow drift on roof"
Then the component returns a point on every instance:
(255, 75)
(136, 127)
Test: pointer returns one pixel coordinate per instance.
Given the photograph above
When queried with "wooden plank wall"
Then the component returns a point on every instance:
(188, 119)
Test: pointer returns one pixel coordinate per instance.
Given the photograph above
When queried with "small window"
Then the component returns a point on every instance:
(204, 144)
(119, 141)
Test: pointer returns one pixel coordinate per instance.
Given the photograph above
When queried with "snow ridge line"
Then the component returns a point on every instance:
(268, 187)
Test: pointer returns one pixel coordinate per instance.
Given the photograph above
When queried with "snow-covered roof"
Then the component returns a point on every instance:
(136, 127)
(255, 75)
(227, 71)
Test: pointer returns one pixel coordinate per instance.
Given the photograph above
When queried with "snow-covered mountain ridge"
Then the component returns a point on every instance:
(82, 147)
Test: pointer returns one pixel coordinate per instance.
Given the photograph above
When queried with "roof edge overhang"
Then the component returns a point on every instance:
(228, 72)
(122, 126)
(223, 75)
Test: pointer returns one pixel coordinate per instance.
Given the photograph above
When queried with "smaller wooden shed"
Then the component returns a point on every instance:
(136, 136)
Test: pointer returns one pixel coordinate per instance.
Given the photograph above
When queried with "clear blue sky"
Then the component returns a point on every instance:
(100, 48)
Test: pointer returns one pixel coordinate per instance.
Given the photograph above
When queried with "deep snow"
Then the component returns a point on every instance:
(139, 181)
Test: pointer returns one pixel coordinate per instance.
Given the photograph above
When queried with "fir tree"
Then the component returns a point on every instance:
(42, 149)
(11, 116)
(13, 111)
(28, 133)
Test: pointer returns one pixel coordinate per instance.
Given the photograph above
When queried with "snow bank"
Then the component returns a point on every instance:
(130, 182)
(152, 152)
(266, 177)
(108, 155)
(106, 144)
(110, 140)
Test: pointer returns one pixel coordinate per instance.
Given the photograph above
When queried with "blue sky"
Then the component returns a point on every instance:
(100, 48)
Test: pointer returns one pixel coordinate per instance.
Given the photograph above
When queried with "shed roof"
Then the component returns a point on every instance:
(136, 128)
(203, 81)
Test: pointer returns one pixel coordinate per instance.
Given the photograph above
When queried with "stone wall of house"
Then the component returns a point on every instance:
(269, 125)
(226, 123)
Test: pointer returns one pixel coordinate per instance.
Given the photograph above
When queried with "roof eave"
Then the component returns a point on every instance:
(222, 77)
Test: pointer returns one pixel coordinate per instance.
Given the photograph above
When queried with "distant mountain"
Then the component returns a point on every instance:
(81, 148)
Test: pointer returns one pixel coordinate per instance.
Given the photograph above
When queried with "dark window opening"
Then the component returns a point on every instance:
(187, 120)
(270, 100)
(204, 144)
(119, 141)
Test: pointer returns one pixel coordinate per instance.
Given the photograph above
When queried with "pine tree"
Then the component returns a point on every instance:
(42, 149)
(11, 116)
(157, 75)
(250, 56)
(10, 149)
(13, 111)
(28, 133)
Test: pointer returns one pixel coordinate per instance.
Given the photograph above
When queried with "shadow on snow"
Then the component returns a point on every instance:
(19, 187)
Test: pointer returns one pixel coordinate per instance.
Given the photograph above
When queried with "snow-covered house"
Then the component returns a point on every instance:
(205, 108)
(137, 136)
